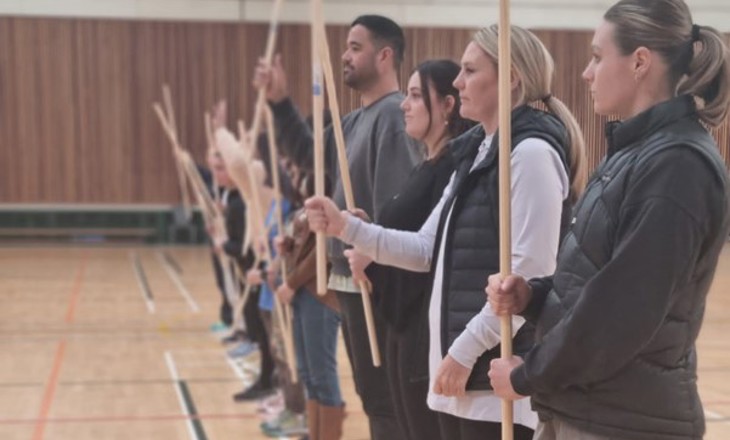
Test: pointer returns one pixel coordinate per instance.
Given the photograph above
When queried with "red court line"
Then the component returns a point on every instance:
(102, 419)
(40, 423)
(50, 391)
(75, 293)
(153, 418)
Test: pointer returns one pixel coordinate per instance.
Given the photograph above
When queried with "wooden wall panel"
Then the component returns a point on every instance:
(76, 124)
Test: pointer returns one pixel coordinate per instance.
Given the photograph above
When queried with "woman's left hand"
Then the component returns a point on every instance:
(451, 378)
(285, 293)
(358, 264)
(499, 375)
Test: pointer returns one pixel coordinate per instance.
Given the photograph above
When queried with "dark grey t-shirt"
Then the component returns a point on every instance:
(379, 152)
(381, 156)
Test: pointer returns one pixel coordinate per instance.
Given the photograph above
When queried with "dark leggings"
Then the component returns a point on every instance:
(406, 365)
(257, 332)
(456, 428)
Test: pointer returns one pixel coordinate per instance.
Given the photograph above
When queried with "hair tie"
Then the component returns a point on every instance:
(546, 98)
(695, 33)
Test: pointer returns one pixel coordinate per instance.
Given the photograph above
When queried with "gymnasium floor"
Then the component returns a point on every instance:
(114, 343)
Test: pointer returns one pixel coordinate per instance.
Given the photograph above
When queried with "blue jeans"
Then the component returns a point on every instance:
(315, 338)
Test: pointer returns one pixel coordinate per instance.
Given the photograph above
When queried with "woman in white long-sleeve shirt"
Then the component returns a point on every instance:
(459, 243)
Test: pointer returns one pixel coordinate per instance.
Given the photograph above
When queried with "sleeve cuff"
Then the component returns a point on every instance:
(466, 349)
(540, 289)
(282, 107)
(350, 230)
(520, 382)
(231, 248)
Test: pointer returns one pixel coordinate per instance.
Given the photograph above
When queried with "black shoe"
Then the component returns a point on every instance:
(254, 392)
(236, 336)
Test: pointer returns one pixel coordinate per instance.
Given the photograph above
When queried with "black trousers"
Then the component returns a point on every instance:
(371, 383)
(456, 428)
(407, 368)
(256, 330)
(226, 311)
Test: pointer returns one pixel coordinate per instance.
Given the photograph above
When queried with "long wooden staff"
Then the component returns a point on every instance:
(259, 211)
(212, 216)
(285, 308)
(505, 200)
(268, 54)
(187, 166)
(318, 134)
(274, 157)
(237, 160)
(180, 173)
(228, 267)
(329, 80)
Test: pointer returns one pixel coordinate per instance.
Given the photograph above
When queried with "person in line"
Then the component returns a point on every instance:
(459, 242)
(380, 160)
(618, 320)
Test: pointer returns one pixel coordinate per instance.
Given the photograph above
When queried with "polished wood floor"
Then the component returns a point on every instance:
(91, 349)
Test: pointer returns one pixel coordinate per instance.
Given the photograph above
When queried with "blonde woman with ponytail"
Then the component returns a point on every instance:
(462, 232)
(618, 320)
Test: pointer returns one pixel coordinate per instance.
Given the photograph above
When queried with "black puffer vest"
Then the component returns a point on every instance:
(471, 251)
(652, 394)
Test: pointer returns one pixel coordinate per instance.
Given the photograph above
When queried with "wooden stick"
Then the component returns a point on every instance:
(212, 216)
(237, 164)
(287, 336)
(167, 125)
(329, 77)
(271, 135)
(230, 267)
(208, 207)
(258, 209)
(238, 309)
(273, 154)
(196, 180)
(318, 132)
(171, 119)
(505, 200)
(269, 53)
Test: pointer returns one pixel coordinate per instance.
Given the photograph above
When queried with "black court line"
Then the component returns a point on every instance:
(192, 411)
(46, 336)
(143, 283)
(202, 380)
(173, 263)
(139, 269)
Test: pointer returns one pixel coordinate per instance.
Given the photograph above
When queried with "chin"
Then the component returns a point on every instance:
(600, 110)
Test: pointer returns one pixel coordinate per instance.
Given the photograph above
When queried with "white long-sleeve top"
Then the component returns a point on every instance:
(539, 185)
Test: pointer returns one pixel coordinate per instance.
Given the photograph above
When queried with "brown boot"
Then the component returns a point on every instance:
(313, 410)
(330, 422)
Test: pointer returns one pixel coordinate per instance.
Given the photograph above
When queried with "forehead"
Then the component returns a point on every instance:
(474, 54)
(414, 82)
(359, 34)
(603, 37)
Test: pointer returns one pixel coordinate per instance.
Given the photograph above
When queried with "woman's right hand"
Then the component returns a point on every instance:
(509, 295)
(324, 216)
(283, 244)
(272, 78)
(358, 264)
(254, 277)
